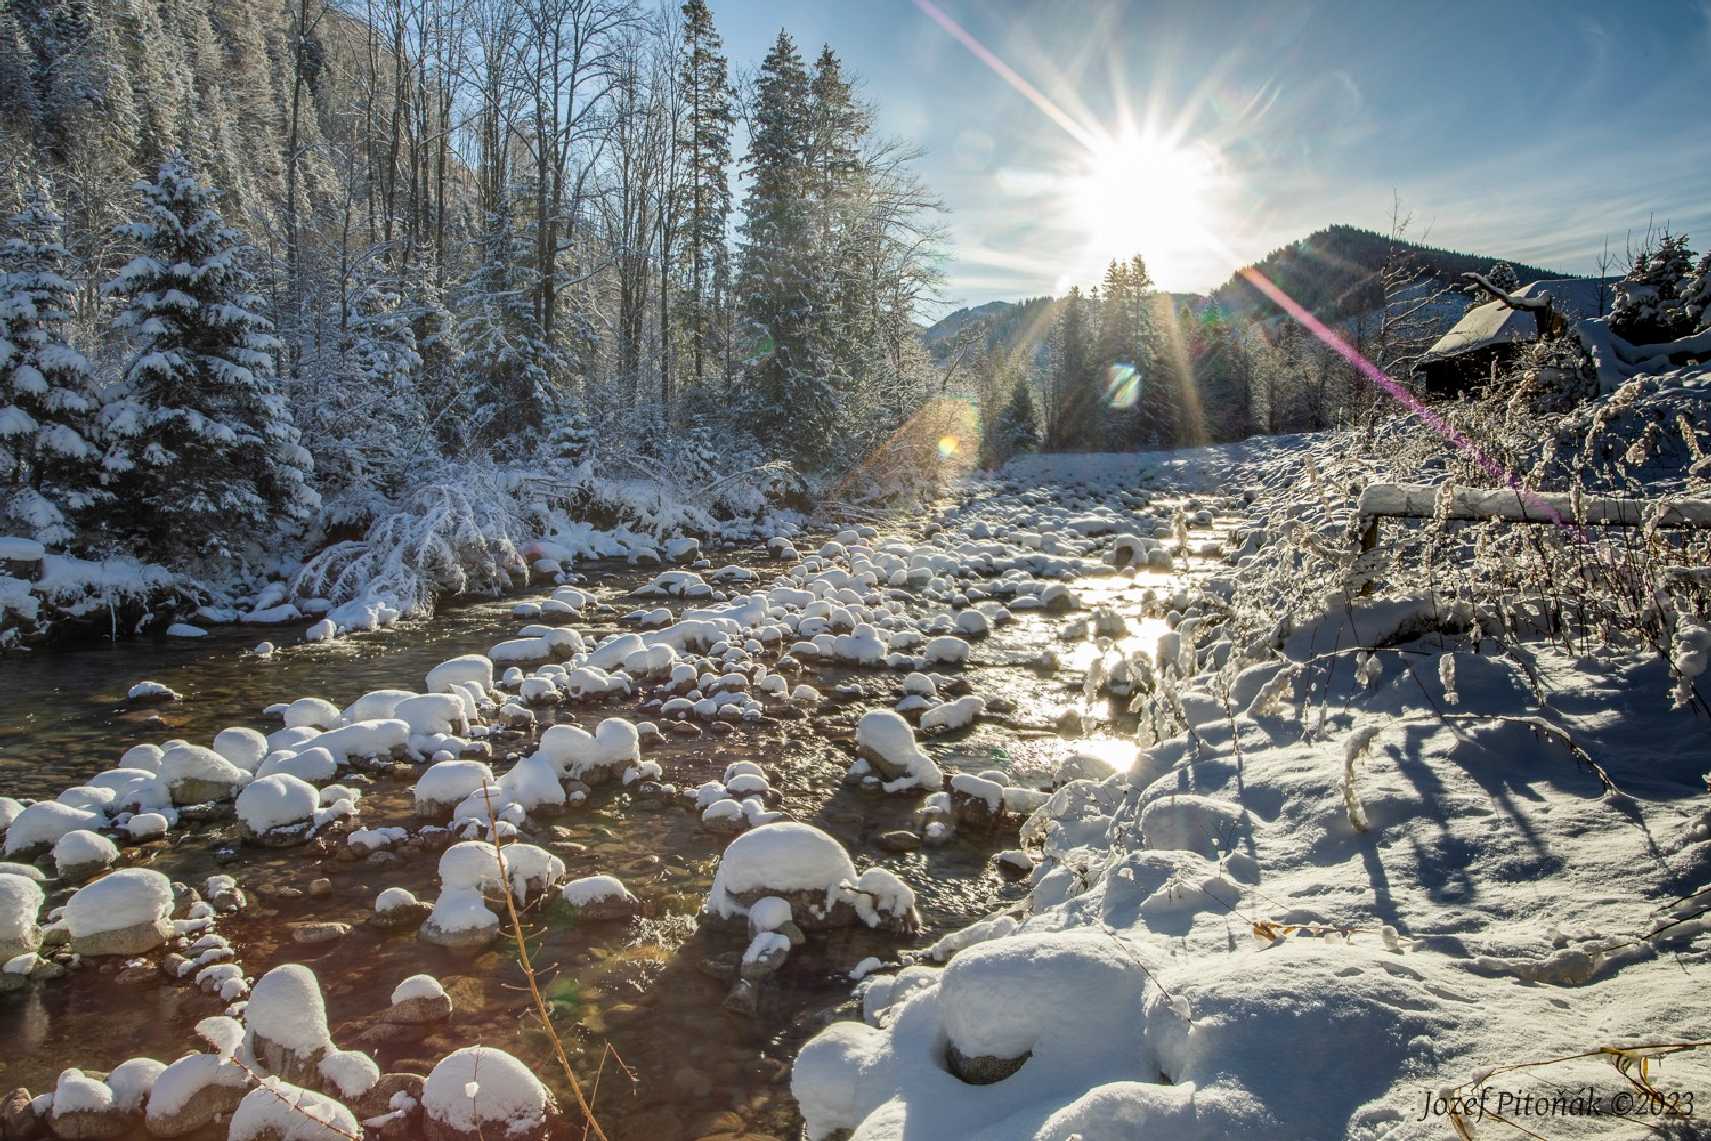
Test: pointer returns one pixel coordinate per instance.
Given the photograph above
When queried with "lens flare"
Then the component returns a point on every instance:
(1122, 385)
(949, 446)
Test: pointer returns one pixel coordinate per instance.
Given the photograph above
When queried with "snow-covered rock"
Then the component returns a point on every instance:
(81, 854)
(39, 827)
(194, 775)
(446, 784)
(123, 913)
(277, 811)
(277, 1110)
(796, 862)
(885, 742)
(600, 898)
(286, 1024)
(20, 905)
(479, 1092)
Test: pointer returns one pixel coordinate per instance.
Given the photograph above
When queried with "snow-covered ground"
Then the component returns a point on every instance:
(1396, 817)
(1395, 825)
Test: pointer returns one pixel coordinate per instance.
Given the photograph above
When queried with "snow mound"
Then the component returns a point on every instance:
(776, 859)
(480, 1089)
(277, 801)
(286, 1008)
(278, 1111)
(42, 824)
(595, 889)
(129, 897)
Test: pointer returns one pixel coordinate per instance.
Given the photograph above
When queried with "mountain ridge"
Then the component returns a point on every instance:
(1331, 271)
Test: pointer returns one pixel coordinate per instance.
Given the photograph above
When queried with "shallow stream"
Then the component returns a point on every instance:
(641, 1018)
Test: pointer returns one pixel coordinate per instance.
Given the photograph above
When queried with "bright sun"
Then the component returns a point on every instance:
(1142, 195)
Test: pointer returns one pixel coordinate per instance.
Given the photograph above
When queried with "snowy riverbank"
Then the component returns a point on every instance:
(471, 529)
(1286, 838)
(1377, 846)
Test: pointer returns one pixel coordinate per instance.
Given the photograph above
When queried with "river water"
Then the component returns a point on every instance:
(638, 1014)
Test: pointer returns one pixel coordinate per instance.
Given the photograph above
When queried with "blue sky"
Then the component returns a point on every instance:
(1530, 130)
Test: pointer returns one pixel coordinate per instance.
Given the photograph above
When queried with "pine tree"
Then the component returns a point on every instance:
(1139, 406)
(1073, 418)
(1223, 377)
(706, 144)
(508, 365)
(789, 397)
(364, 413)
(49, 464)
(837, 124)
(1696, 295)
(1017, 429)
(205, 444)
(20, 102)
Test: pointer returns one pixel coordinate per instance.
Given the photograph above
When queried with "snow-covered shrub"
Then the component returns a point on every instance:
(1651, 299)
(458, 536)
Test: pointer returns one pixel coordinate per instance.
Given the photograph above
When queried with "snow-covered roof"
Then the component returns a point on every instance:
(1494, 323)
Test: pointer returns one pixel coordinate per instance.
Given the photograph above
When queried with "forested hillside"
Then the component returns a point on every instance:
(318, 255)
(1335, 272)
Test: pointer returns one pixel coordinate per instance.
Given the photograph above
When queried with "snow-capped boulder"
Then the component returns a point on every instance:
(474, 670)
(286, 1024)
(123, 913)
(194, 775)
(314, 765)
(946, 650)
(312, 713)
(479, 1092)
(20, 905)
(131, 1082)
(278, 1110)
(379, 737)
(796, 862)
(397, 907)
(533, 783)
(152, 692)
(592, 758)
(600, 898)
(419, 1000)
(38, 827)
(193, 1092)
(953, 715)
(446, 784)
(242, 746)
(80, 855)
(277, 811)
(886, 743)
(83, 1109)
(460, 921)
